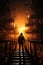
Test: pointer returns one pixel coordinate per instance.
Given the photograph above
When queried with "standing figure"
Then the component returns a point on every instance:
(21, 40)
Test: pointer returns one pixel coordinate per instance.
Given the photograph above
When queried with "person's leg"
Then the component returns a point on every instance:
(19, 55)
(22, 46)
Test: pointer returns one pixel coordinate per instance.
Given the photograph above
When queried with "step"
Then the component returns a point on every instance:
(20, 54)
(28, 63)
(26, 57)
(29, 60)
(14, 58)
(14, 63)
(17, 63)
(17, 60)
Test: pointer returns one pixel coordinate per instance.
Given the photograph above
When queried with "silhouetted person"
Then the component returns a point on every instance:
(21, 40)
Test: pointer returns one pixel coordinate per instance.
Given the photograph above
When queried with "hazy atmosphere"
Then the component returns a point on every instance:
(21, 32)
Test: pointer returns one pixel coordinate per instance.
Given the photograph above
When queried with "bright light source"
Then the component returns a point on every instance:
(22, 30)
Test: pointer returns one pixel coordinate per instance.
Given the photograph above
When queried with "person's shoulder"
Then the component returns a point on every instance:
(23, 36)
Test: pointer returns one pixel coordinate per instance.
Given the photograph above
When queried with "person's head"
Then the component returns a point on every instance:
(21, 34)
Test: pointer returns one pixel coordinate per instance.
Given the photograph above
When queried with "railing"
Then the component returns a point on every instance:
(6, 47)
(8, 42)
(34, 55)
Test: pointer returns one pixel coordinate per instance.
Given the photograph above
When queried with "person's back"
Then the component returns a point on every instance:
(21, 39)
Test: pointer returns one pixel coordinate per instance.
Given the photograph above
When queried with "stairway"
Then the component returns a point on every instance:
(19, 58)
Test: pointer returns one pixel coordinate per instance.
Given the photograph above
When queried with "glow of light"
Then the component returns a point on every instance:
(28, 16)
(22, 30)
(11, 36)
(13, 24)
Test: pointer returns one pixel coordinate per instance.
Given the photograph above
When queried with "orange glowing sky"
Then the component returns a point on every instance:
(20, 14)
(20, 17)
(20, 21)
